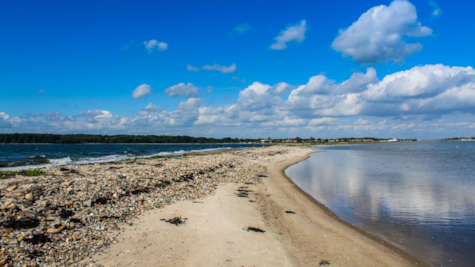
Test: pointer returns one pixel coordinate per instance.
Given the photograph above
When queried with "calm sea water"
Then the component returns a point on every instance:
(417, 196)
(27, 156)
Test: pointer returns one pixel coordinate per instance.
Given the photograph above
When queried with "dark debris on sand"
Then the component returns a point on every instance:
(254, 229)
(176, 221)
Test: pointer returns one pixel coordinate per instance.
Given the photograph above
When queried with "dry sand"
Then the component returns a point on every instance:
(214, 234)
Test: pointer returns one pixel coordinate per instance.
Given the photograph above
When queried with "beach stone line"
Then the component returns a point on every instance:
(70, 213)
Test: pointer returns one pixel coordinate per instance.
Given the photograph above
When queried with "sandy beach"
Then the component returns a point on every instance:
(113, 214)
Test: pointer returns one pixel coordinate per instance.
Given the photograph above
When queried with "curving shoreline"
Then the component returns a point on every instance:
(299, 193)
(109, 227)
(213, 234)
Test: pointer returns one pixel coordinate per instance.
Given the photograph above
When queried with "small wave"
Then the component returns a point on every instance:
(62, 161)
(101, 159)
(109, 158)
(38, 157)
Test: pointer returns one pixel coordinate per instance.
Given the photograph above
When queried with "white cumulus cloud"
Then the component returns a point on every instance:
(294, 32)
(216, 67)
(419, 82)
(220, 68)
(4, 120)
(282, 87)
(142, 91)
(153, 45)
(182, 89)
(378, 35)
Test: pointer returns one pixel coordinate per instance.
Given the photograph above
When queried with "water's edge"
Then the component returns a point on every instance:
(114, 157)
(403, 253)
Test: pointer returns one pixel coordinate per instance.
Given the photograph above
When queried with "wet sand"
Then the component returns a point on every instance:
(215, 234)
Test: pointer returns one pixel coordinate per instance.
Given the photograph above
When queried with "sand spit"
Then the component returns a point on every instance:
(220, 209)
(77, 210)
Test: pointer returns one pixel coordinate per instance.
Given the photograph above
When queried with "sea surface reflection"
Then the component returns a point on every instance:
(417, 196)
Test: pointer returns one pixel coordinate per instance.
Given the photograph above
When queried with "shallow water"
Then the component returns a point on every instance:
(417, 196)
(17, 156)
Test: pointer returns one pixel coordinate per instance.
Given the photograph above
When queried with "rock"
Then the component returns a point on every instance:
(4, 261)
(11, 188)
(8, 206)
(57, 230)
(29, 196)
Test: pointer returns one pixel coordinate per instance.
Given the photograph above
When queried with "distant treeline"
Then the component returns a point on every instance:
(460, 138)
(21, 138)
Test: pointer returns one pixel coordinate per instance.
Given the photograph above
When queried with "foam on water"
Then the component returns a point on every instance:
(108, 158)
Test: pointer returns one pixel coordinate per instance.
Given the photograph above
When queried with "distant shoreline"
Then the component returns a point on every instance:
(132, 144)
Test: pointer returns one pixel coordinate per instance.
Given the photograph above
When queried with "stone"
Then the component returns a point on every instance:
(29, 196)
(56, 230)
(11, 188)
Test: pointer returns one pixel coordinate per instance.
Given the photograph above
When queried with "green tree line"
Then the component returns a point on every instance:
(21, 138)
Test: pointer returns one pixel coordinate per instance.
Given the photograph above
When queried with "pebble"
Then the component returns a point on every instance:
(11, 188)
(77, 210)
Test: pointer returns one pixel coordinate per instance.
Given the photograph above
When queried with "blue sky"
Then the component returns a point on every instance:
(238, 68)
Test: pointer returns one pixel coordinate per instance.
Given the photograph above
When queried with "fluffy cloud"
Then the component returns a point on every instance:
(282, 87)
(182, 89)
(222, 69)
(4, 122)
(358, 82)
(436, 10)
(429, 99)
(294, 32)
(216, 67)
(191, 104)
(419, 82)
(153, 45)
(142, 91)
(258, 96)
(378, 35)
(286, 122)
